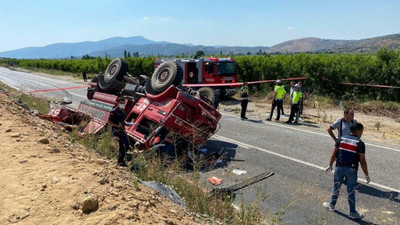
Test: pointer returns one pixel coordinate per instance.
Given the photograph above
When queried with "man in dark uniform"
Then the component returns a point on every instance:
(244, 100)
(117, 121)
(84, 75)
(348, 152)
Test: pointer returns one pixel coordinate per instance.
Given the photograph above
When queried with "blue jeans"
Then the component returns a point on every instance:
(351, 175)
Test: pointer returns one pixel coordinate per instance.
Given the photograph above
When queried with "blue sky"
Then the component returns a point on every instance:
(26, 23)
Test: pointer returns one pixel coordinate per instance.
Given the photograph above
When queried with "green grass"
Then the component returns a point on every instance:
(104, 143)
(169, 172)
(34, 103)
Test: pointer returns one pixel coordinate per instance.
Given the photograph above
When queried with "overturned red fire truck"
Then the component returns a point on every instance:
(153, 104)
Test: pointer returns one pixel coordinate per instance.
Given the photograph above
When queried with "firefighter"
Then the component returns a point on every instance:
(117, 122)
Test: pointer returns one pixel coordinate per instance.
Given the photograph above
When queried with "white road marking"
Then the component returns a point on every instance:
(17, 89)
(247, 146)
(317, 133)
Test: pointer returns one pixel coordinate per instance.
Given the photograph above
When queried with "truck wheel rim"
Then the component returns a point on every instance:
(108, 76)
(163, 76)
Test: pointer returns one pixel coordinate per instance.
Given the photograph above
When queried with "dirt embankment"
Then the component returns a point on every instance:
(47, 180)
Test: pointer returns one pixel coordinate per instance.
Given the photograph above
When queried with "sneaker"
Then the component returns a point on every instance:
(288, 122)
(268, 119)
(245, 118)
(328, 206)
(356, 215)
(242, 118)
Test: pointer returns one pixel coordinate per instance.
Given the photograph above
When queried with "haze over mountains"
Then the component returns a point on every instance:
(115, 47)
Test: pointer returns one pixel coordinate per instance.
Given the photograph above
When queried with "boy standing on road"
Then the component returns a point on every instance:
(348, 151)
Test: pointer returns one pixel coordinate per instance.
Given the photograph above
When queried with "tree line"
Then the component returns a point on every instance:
(325, 72)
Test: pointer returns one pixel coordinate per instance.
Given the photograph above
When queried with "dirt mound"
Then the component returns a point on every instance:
(45, 178)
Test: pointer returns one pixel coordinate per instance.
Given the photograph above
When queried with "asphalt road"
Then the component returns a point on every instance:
(297, 154)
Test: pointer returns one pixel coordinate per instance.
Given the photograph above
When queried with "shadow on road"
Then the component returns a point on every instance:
(368, 190)
(253, 121)
(224, 151)
(308, 124)
(359, 221)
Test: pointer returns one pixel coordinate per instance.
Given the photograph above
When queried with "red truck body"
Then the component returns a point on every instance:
(208, 70)
(191, 118)
(191, 115)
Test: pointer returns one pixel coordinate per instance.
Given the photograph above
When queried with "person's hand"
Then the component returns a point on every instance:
(368, 179)
(328, 169)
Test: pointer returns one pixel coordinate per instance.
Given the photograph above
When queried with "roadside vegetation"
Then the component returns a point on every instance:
(325, 72)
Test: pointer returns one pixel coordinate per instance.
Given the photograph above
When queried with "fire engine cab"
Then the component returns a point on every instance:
(208, 71)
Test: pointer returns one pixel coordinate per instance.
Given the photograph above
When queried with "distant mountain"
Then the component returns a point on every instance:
(172, 49)
(370, 44)
(66, 50)
(307, 45)
(116, 46)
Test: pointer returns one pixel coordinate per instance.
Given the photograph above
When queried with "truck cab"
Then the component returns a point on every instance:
(208, 70)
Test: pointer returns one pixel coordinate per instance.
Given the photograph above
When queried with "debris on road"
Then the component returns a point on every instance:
(215, 181)
(235, 187)
(239, 172)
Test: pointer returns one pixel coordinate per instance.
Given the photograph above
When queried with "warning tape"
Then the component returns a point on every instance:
(50, 90)
(363, 85)
(240, 83)
(271, 81)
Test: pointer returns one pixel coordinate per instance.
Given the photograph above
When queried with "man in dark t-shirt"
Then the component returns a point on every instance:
(117, 122)
(348, 152)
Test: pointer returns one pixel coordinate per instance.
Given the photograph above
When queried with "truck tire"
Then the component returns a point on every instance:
(113, 87)
(117, 69)
(166, 74)
(209, 95)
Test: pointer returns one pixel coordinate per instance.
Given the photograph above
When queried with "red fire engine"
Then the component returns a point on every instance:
(208, 71)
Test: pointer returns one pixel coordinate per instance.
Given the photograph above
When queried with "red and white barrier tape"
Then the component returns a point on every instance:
(49, 90)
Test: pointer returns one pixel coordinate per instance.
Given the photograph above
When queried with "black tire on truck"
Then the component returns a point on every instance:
(166, 74)
(209, 95)
(112, 80)
(113, 87)
(117, 69)
(92, 90)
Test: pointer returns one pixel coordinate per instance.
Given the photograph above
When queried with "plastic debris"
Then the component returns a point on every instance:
(239, 172)
(215, 180)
